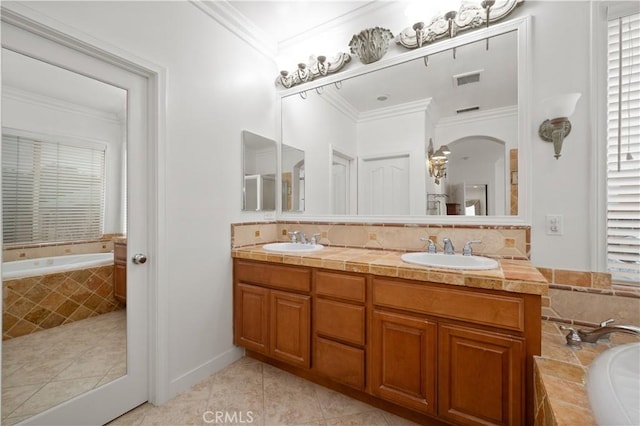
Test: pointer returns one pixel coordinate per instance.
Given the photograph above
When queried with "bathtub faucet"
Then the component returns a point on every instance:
(575, 337)
(607, 327)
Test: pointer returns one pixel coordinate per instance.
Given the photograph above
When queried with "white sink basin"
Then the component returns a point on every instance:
(449, 261)
(293, 247)
(613, 386)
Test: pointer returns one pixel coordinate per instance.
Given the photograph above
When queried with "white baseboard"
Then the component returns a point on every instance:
(193, 377)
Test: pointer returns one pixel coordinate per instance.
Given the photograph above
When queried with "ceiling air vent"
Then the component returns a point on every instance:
(468, 109)
(467, 78)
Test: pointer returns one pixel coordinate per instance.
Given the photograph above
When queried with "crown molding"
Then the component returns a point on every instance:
(341, 104)
(229, 17)
(479, 116)
(396, 110)
(24, 96)
(353, 15)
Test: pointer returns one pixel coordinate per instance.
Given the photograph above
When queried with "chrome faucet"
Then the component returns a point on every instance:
(575, 337)
(301, 237)
(431, 247)
(467, 250)
(297, 236)
(448, 246)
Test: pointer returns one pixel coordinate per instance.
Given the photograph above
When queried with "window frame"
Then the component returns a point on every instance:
(601, 12)
(71, 141)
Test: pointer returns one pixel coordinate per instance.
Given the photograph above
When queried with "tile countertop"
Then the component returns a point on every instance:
(561, 371)
(516, 276)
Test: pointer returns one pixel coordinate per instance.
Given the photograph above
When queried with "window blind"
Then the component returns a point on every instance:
(51, 192)
(623, 149)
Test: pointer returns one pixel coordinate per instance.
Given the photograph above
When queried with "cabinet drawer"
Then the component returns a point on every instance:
(342, 363)
(344, 286)
(481, 308)
(338, 320)
(284, 277)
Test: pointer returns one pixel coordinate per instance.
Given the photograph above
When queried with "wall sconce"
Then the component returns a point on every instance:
(555, 129)
(437, 161)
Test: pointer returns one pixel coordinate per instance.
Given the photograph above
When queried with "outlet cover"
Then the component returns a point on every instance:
(554, 224)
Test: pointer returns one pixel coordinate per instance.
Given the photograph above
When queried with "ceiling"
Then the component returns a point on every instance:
(283, 20)
(49, 82)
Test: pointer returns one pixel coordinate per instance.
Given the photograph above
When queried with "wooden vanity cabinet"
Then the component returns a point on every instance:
(453, 354)
(268, 319)
(404, 360)
(120, 271)
(480, 376)
(340, 327)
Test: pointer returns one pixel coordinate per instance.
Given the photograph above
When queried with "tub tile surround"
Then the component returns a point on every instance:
(37, 303)
(35, 251)
(588, 298)
(560, 393)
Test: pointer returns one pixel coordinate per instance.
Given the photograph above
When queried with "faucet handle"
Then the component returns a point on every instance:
(607, 322)
(293, 236)
(467, 250)
(314, 239)
(431, 248)
(573, 338)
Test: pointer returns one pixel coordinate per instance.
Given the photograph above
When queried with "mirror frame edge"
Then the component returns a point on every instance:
(522, 25)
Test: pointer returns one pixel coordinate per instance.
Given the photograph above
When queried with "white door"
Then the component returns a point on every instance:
(384, 186)
(340, 170)
(103, 403)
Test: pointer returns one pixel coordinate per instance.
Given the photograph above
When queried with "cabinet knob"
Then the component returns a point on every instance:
(139, 258)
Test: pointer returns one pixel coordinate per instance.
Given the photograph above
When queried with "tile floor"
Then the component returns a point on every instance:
(253, 393)
(45, 368)
(42, 369)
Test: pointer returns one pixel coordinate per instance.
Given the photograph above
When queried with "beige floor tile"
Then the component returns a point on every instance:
(370, 418)
(54, 393)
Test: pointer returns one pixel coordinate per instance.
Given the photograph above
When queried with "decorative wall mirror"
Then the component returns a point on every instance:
(258, 172)
(467, 94)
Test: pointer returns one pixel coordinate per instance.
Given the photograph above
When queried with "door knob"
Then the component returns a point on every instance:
(139, 258)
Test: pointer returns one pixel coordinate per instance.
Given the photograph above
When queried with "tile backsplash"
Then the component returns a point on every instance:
(510, 242)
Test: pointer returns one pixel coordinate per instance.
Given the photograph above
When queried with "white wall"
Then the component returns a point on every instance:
(328, 127)
(217, 85)
(56, 121)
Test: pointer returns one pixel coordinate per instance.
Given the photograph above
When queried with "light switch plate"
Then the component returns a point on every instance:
(554, 224)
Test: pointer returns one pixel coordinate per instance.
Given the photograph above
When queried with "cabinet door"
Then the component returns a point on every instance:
(251, 324)
(480, 377)
(291, 328)
(403, 360)
(120, 281)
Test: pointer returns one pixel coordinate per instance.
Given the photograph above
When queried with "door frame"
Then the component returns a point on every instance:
(54, 31)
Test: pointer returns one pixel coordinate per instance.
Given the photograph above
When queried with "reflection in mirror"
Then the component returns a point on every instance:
(258, 172)
(465, 98)
(293, 178)
(63, 196)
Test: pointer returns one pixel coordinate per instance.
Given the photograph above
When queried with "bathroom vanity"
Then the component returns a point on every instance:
(438, 345)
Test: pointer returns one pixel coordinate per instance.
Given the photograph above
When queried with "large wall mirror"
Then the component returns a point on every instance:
(437, 134)
(258, 172)
(64, 186)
